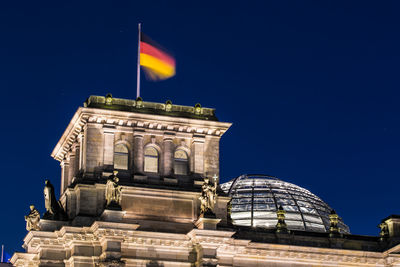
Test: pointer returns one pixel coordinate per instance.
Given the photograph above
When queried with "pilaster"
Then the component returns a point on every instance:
(168, 153)
(138, 151)
(108, 146)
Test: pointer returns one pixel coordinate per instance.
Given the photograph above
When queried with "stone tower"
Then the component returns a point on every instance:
(162, 152)
(153, 147)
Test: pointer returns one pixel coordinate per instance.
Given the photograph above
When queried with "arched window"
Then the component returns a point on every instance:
(121, 156)
(151, 160)
(180, 162)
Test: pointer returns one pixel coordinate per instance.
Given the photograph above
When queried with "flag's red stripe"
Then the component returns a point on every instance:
(148, 49)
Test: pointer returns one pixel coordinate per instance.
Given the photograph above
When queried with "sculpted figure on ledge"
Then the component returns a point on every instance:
(208, 196)
(113, 192)
(32, 219)
(54, 210)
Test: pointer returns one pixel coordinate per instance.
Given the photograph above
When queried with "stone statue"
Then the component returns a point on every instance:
(32, 219)
(208, 196)
(384, 233)
(113, 191)
(54, 210)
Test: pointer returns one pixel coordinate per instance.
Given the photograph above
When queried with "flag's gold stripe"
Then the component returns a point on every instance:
(160, 67)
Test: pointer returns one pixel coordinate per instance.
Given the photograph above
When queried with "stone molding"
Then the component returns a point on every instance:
(218, 247)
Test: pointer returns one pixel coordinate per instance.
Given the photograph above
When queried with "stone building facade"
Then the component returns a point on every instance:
(162, 154)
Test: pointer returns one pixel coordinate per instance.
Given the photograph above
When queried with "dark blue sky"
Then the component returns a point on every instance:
(312, 89)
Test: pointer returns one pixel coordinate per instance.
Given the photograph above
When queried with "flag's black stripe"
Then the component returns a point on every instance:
(146, 39)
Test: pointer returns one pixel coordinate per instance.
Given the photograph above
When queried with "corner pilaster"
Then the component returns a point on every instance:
(64, 175)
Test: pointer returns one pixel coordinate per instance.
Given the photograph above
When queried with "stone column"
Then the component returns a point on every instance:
(64, 175)
(71, 169)
(168, 154)
(138, 156)
(198, 154)
(80, 162)
(77, 159)
(84, 148)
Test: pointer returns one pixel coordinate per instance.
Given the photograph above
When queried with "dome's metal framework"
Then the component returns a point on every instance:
(256, 198)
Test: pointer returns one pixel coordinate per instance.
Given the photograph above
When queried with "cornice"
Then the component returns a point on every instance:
(70, 134)
(124, 120)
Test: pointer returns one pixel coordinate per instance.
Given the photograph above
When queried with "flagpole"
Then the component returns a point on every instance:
(138, 65)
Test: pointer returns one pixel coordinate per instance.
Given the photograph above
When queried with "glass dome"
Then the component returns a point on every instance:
(255, 199)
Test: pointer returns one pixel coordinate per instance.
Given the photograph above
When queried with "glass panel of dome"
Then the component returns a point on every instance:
(279, 190)
(241, 215)
(271, 207)
(297, 196)
(235, 201)
(308, 210)
(325, 214)
(242, 222)
(265, 223)
(264, 214)
(282, 196)
(321, 208)
(290, 208)
(313, 219)
(304, 204)
(239, 195)
(264, 207)
(297, 225)
(263, 200)
(260, 194)
(243, 200)
(237, 208)
(246, 183)
(326, 222)
(315, 201)
(259, 206)
(315, 225)
(293, 216)
(285, 201)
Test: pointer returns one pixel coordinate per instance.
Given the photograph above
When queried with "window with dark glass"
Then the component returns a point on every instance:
(180, 162)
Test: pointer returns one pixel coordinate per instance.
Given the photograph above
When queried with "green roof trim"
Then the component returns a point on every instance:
(139, 106)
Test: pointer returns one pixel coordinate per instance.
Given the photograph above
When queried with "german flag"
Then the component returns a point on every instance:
(157, 63)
